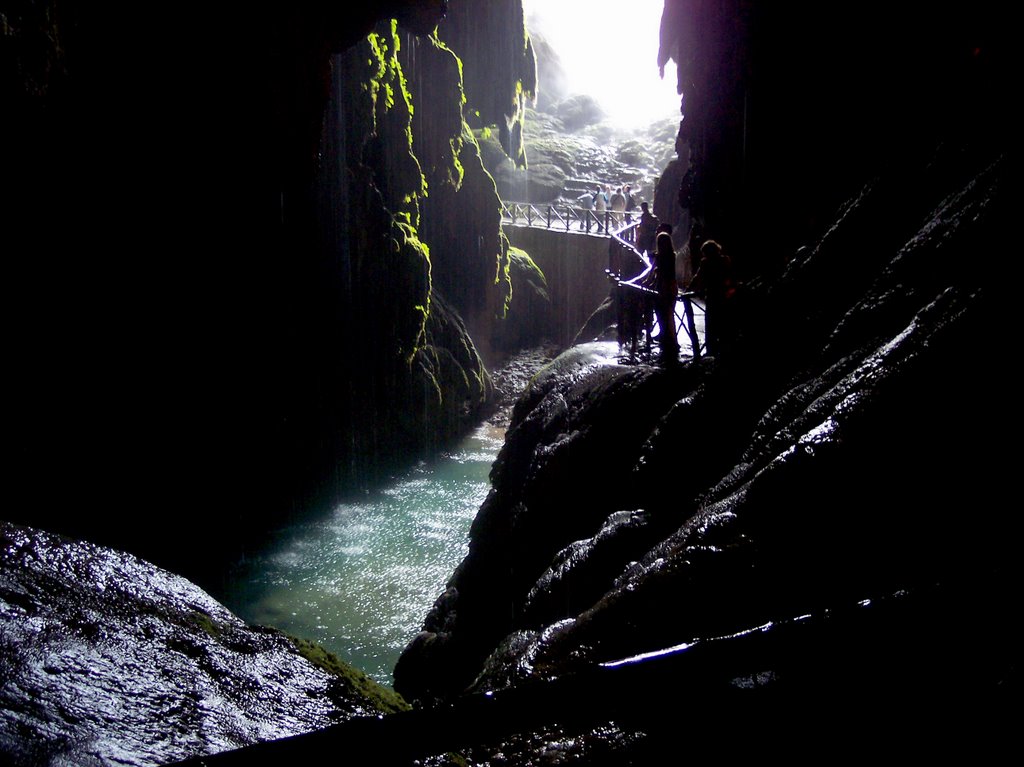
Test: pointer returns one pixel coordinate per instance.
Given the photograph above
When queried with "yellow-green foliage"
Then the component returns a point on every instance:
(376, 67)
(526, 265)
(355, 681)
(458, 173)
(406, 244)
(399, 176)
(529, 71)
(503, 274)
(455, 172)
(534, 273)
(389, 90)
(202, 620)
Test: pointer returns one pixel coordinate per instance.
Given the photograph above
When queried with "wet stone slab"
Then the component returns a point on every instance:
(107, 659)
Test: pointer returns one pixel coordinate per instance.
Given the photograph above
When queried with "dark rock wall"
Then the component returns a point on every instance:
(218, 296)
(461, 217)
(501, 67)
(837, 452)
(573, 267)
(380, 296)
(788, 108)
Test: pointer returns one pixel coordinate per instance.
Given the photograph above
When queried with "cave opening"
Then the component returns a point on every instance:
(821, 510)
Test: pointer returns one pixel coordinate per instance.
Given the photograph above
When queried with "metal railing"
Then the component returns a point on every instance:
(621, 227)
(626, 236)
(564, 217)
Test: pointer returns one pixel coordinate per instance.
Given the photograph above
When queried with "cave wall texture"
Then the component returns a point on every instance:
(182, 311)
(788, 107)
(237, 269)
(841, 448)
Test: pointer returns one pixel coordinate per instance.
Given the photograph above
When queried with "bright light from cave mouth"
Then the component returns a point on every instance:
(609, 49)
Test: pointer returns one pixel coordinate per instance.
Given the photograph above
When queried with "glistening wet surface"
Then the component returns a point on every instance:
(360, 579)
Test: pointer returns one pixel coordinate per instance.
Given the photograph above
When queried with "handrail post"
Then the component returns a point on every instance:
(549, 216)
(691, 327)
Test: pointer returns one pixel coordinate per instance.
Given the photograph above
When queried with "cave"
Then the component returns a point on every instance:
(256, 259)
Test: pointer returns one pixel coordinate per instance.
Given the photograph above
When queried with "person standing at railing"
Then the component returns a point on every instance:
(600, 206)
(646, 229)
(715, 281)
(665, 301)
(618, 203)
(586, 201)
(627, 192)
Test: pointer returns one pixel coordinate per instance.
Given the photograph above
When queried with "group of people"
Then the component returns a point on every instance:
(621, 203)
(713, 280)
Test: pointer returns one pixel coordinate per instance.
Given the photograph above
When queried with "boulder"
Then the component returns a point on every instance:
(108, 659)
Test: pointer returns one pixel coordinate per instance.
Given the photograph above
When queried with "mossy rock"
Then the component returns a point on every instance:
(634, 153)
(540, 123)
(355, 681)
(552, 150)
(579, 111)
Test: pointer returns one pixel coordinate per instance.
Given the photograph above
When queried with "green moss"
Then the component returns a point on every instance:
(529, 72)
(526, 264)
(406, 245)
(381, 698)
(206, 623)
(390, 98)
(455, 760)
(458, 171)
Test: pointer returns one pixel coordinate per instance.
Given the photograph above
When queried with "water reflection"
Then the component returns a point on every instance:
(360, 579)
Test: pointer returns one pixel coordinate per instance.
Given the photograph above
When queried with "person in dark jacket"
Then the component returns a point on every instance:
(665, 300)
(715, 282)
(646, 230)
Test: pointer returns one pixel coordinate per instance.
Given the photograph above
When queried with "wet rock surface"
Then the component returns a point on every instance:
(569, 152)
(833, 455)
(512, 377)
(107, 659)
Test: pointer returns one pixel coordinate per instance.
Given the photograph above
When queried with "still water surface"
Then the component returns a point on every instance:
(360, 579)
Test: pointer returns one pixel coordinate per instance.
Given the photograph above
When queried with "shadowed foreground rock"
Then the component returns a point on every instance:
(106, 659)
(845, 451)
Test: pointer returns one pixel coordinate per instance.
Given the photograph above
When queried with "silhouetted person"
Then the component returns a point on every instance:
(649, 304)
(665, 300)
(646, 229)
(714, 280)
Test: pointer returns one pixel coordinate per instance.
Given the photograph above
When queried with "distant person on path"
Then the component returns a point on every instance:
(600, 206)
(646, 230)
(586, 201)
(627, 191)
(715, 281)
(618, 203)
(665, 301)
